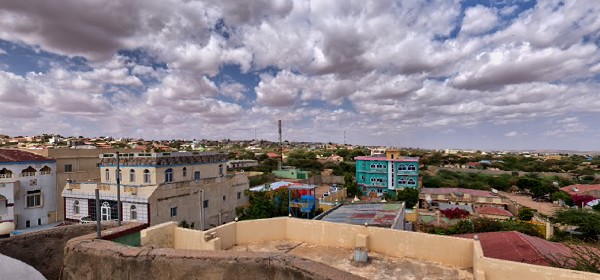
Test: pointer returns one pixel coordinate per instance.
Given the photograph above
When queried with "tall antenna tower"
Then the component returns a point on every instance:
(280, 147)
(344, 138)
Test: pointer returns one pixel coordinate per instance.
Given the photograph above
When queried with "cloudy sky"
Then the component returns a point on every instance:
(489, 74)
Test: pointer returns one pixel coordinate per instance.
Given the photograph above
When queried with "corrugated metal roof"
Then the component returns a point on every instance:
(518, 247)
(358, 214)
(488, 210)
(9, 156)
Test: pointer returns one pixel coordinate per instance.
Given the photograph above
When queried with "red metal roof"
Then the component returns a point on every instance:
(457, 190)
(581, 189)
(489, 210)
(7, 155)
(518, 247)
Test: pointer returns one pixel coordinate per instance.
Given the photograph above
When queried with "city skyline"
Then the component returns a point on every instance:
(492, 75)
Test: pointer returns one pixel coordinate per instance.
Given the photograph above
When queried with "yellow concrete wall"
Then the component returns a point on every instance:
(188, 239)
(261, 230)
(162, 236)
(451, 251)
(441, 249)
(228, 235)
(494, 269)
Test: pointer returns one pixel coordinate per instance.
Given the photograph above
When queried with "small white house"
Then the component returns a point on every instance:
(27, 190)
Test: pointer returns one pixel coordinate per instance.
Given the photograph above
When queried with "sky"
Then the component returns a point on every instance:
(489, 74)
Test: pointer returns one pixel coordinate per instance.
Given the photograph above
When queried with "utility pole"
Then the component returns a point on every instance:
(98, 224)
(201, 210)
(280, 147)
(344, 138)
(118, 191)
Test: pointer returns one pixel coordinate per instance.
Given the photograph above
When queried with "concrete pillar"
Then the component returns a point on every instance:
(361, 249)
(549, 230)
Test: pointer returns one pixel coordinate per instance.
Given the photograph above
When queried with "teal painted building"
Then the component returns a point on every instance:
(377, 175)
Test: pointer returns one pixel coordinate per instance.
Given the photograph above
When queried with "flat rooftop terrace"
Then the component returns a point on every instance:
(379, 215)
(379, 266)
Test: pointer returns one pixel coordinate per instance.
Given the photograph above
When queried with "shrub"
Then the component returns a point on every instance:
(455, 213)
(525, 214)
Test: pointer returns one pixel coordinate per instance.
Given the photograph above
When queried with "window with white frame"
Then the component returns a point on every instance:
(401, 167)
(46, 171)
(402, 181)
(28, 172)
(184, 173)
(168, 175)
(76, 208)
(132, 212)
(412, 167)
(107, 175)
(412, 181)
(132, 175)
(146, 176)
(34, 198)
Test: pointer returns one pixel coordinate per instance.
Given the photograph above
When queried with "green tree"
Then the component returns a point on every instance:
(561, 195)
(526, 214)
(409, 196)
(587, 222)
(528, 183)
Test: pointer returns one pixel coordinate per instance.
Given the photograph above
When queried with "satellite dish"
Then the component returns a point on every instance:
(495, 191)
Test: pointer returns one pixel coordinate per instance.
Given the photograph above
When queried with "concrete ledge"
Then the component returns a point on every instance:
(100, 259)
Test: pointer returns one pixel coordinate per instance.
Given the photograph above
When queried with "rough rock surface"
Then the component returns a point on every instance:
(44, 250)
(100, 259)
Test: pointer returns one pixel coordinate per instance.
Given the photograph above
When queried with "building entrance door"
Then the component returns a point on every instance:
(105, 211)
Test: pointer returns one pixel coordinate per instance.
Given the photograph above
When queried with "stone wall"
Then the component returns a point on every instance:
(99, 259)
(44, 250)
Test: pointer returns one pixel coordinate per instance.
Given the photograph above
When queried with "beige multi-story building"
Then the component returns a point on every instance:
(159, 187)
(79, 165)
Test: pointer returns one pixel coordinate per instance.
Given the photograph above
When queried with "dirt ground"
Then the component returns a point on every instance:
(379, 267)
(546, 208)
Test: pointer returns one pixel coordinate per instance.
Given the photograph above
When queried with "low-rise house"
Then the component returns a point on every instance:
(433, 197)
(27, 189)
(159, 187)
(241, 163)
(579, 189)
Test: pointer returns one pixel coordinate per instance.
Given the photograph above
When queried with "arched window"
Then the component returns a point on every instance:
(412, 167)
(146, 176)
(401, 167)
(76, 207)
(132, 212)
(131, 175)
(184, 172)
(5, 173)
(411, 181)
(27, 172)
(372, 165)
(168, 175)
(45, 170)
(107, 175)
(402, 181)
(105, 211)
